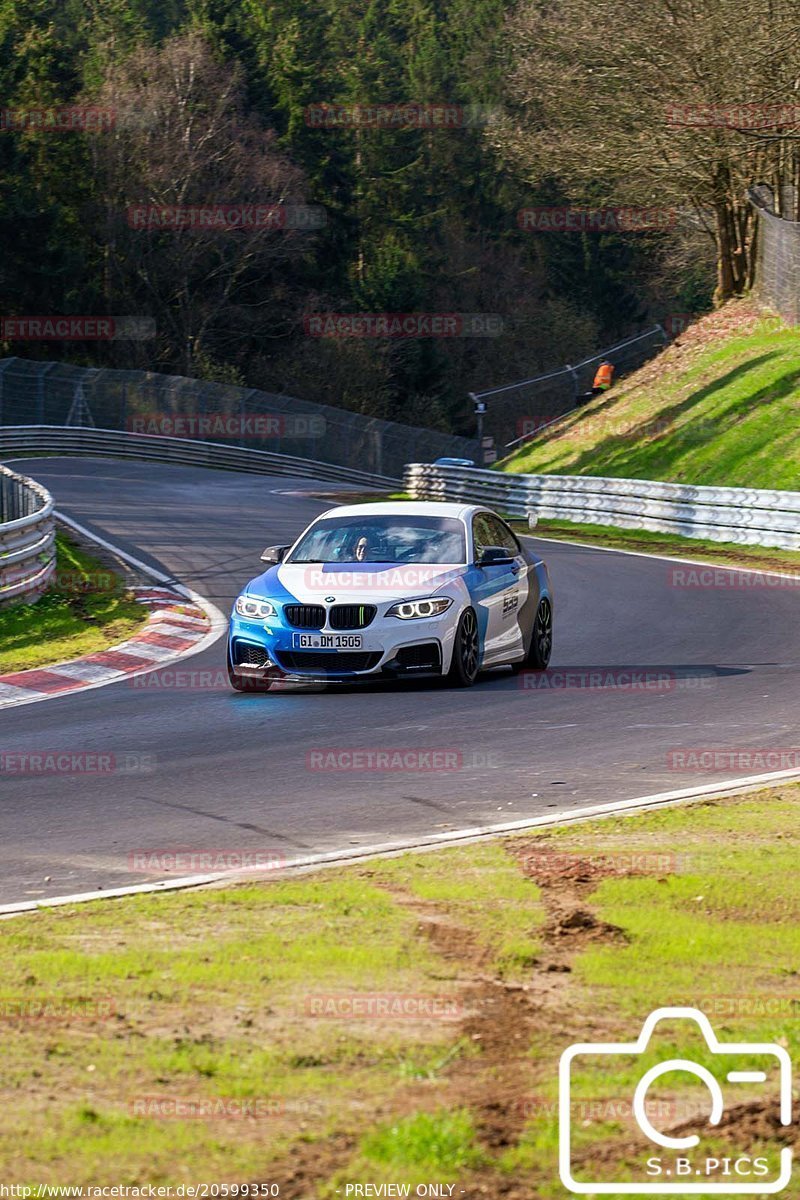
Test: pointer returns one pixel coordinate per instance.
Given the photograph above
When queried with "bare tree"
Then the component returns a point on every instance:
(188, 182)
(664, 104)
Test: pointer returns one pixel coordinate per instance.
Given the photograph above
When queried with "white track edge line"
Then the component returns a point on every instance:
(688, 562)
(219, 623)
(433, 841)
(437, 841)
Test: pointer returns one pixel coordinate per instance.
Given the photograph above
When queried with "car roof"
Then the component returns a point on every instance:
(411, 508)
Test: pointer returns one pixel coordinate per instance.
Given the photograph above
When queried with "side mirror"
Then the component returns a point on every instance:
(274, 554)
(495, 556)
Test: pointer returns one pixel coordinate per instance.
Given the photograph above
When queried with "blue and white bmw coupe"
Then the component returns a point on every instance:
(389, 590)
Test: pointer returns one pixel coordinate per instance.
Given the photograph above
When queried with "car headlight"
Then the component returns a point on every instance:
(431, 606)
(248, 606)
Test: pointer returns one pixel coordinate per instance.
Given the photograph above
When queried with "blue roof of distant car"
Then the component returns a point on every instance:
(453, 462)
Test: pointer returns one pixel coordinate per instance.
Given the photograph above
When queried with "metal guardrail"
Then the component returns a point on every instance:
(33, 392)
(747, 516)
(112, 443)
(518, 411)
(27, 537)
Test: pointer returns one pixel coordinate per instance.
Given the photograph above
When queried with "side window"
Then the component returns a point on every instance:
(502, 535)
(482, 534)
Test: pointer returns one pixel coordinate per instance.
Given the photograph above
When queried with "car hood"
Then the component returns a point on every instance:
(351, 583)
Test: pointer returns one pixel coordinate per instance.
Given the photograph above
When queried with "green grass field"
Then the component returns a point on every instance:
(87, 609)
(216, 1035)
(725, 411)
(213, 997)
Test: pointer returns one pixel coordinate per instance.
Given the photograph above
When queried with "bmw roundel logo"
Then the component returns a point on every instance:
(329, 599)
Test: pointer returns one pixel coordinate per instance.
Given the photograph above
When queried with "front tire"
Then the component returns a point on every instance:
(466, 652)
(541, 646)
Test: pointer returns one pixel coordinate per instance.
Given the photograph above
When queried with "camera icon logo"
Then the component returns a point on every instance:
(678, 1165)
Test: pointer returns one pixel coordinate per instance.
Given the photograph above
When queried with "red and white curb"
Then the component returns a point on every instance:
(181, 623)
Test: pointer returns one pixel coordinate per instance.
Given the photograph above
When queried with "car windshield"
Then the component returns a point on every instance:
(386, 538)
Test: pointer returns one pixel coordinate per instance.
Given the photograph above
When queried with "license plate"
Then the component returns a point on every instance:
(326, 641)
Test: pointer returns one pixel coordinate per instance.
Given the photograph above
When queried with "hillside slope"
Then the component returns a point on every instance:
(721, 405)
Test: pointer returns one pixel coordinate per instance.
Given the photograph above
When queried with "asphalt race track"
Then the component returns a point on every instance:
(231, 772)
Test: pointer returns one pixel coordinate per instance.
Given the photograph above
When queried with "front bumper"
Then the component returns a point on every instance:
(389, 648)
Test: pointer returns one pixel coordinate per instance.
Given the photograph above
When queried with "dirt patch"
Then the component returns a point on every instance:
(310, 1163)
(748, 1124)
(505, 1018)
(745, 1125)
(496, 1075)
(452, 942)
(580, 923)
(566, 881)
(499, 1024)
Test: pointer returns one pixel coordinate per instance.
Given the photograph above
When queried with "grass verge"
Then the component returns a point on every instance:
(726, 554)
(720, 406)
(402, 1021)
(88, 608)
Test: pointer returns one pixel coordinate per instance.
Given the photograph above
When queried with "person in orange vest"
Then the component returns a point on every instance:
(604, 378)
